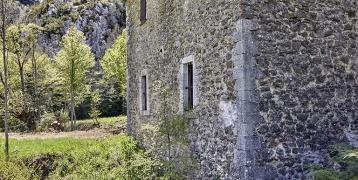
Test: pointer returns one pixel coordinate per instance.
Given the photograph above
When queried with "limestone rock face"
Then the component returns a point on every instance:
(101, 22)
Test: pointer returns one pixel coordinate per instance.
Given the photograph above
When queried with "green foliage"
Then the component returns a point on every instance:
(114, 62)
(64, 116)
(16, 170)
(95, 102)
(73, 60)
(46, 121)
(168, 137)
(21, 37)
(173, 129)
(105, 158)
(344, 155)
(53, 25)
(40, 87)
(327, 174)
(21, 42)
(106, 120)
(176, 127)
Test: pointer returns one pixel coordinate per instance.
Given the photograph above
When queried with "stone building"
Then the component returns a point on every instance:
(270, 84)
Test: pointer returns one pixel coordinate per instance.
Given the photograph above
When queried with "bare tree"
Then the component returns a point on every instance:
(5, 78)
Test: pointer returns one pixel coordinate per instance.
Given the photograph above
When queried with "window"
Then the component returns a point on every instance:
(144, 93)
(187, 84)
(143, 10)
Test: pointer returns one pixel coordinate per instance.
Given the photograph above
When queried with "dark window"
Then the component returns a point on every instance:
(190, 88)
(143, 10)
(144, 93)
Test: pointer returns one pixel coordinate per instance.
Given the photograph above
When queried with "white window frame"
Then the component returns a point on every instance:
(183, 76)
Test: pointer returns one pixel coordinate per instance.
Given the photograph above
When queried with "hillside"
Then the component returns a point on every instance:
(100, 21)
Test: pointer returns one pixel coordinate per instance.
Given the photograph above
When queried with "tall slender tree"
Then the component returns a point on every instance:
(5, 77)
(74, 60)
(114, 62)
(21, 44)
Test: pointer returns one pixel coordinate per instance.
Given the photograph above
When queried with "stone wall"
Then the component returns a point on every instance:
(176, 29)
(307, 52)
(276, 80)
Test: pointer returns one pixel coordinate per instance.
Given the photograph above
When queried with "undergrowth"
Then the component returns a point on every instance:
(347, 158)
(117, 157)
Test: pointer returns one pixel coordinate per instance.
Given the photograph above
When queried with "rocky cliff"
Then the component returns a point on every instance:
(101, 21)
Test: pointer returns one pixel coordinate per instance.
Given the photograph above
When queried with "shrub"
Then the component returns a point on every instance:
(344, 155)
(16, 170)
(46, 121)
(108, 161)
(64, 116)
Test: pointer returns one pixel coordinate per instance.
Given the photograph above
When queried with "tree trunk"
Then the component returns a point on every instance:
(72, 94)
(73, 116)
(6, 87)
(22, 81)
(34, 74)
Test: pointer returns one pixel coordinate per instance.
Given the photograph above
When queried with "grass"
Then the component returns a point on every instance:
(113, 157)
(35, 147)
(105, 120)
(116, 157)
(347, 157)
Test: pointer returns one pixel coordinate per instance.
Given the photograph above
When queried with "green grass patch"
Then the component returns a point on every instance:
(347, 158)
(35, 147)
(117, 157)
(105, 120)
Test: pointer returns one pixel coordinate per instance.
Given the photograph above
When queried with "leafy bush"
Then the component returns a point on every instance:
(124, 159)
(16, 170)
(105, 158)
(347, 158)
(64, 116)
(46, 121)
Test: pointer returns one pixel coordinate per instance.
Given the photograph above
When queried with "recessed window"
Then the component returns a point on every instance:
(144, 93)
(187, 84)
(143, 10)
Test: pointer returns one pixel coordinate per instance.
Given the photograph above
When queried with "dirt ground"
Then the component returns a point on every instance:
(94, 133)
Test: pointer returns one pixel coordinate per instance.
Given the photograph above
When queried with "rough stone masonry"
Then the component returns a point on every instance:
(275, 81)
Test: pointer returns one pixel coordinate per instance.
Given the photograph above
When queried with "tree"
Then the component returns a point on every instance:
(73, 61)
(5, 78)
(95, 102)
(34, 31)
(114, 62)
(21, 41)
